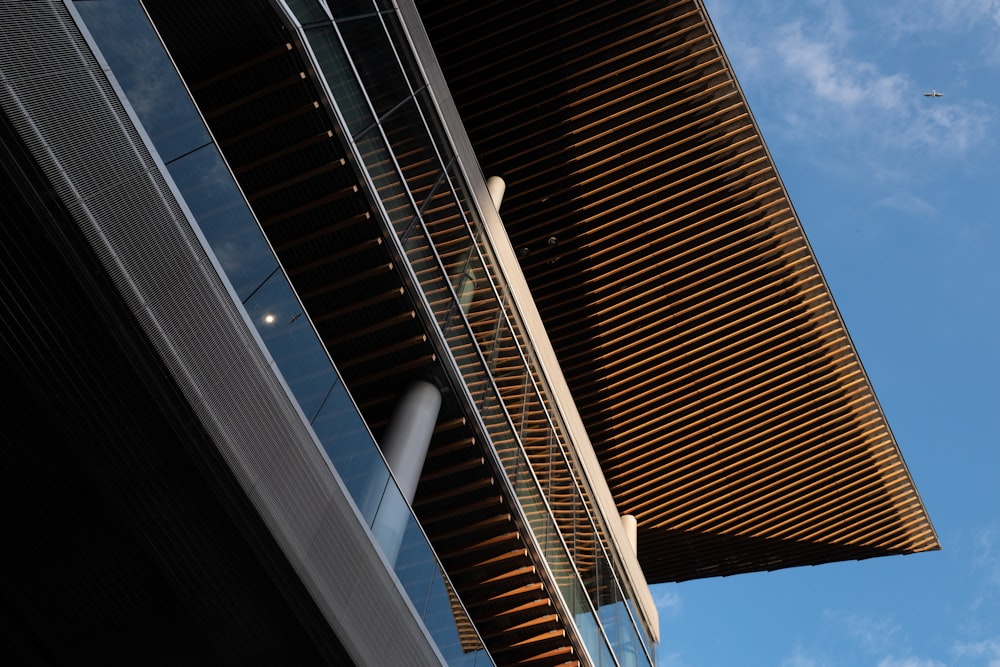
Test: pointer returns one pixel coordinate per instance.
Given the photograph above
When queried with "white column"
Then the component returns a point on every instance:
(408, 435)
(497, 187)
(631, 532)
(466, 281)
(466, 287)
(404, 446)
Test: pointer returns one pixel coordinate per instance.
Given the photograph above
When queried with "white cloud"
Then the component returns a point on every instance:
(810, 73)
(986, 555)
(948, 129)
(844, 97)
(799, 658)
(933, 15)
(910, 662)
(908, 203)
(833, 77)
(667, 600)
(874, 634)
(988, 650)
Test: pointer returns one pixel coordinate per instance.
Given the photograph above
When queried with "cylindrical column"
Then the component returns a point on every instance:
(408, 435)
(465, 282)
(497, 187)
(404, 446)
(631, 532)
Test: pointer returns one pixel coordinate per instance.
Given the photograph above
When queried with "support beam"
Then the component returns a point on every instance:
(404, 447)
(496, 187)
(630, 526)
(408, 436)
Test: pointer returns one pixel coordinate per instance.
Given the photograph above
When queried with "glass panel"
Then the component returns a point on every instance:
(466, 353)
(224, 219)
(639, 628)
(375, 62)
(406, 549)
(465, 208)
(346, 8)
(146, 74)
(440, 621)
(534, 506)
(413, 563)
(509, 374)
(340, 78)
(290, 339)
(457, 250)
(425, 265)
(388, 184)
(609, 605)
(501, 437)
(412, 148)
(599, 652)
(489, 330)
(352, 451)
(404, 51)
(389, 525)
(308, 11)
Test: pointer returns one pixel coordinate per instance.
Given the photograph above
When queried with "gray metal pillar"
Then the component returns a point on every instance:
(408, 436)
(404, 446)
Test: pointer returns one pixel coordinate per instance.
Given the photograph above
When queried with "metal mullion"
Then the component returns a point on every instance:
(302, 36)
(546, 410)
(517, 438)
(573, 476)
(399, 61)
(379, 124)
(378, 119)
(443, 272)
(420, 214)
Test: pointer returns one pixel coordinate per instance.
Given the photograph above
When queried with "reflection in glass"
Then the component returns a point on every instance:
(222, 214)
(401, 157)
(412, 148)
(244, 255)
(375, 61)
(344, 86)
(277, 314)
(146, 74)
(349, 8)
(308, 11)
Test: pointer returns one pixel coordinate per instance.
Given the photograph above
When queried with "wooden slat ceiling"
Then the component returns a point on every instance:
(250, 84)
(724, 397)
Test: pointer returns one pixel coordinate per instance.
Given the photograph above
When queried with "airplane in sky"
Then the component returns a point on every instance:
(934, 93)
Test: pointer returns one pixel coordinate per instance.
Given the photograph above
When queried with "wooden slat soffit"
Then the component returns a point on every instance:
(716, 378)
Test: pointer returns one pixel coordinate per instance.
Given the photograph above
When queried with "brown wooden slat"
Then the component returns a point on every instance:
(696, 332)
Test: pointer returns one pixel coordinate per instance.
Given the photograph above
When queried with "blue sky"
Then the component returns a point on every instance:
(899, 197)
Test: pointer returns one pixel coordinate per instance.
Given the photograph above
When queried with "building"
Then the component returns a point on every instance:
(252, 264)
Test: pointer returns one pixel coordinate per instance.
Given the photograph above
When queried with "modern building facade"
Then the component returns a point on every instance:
(289, 388)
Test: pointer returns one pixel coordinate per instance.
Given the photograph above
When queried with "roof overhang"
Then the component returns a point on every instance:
(716, 378)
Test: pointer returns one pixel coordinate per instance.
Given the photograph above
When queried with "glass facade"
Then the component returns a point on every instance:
(389, 118)
(126, 40)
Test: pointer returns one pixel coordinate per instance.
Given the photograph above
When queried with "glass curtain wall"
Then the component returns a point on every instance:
(144, 73)
(388, 114)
